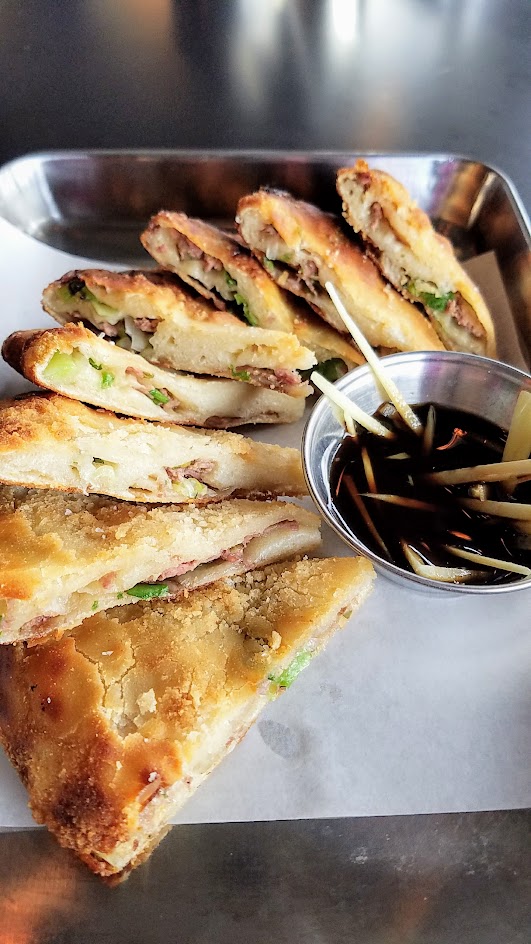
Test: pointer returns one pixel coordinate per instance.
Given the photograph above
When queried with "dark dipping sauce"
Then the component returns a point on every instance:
(460, 440)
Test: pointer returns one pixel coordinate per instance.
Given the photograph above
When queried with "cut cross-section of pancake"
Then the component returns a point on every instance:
(303, 248)
(218, 266)
(153, 314)
(419, 262)
(77, 363)
(49, 441)
(63, 557)
(115, 725)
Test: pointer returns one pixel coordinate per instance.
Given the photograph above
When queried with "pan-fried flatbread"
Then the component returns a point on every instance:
(49, 441)
(419, 262)
(152, 314)
(220, 268)
(75, 362)
(303, 248)
(217, 266)
(63, 557)
(115, 725)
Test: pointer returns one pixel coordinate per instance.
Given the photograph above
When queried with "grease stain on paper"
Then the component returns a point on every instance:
(282, 740)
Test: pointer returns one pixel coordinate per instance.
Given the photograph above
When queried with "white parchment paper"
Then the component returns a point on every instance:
(419, 705)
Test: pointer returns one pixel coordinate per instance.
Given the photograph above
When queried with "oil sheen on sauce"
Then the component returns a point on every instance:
(399, 466)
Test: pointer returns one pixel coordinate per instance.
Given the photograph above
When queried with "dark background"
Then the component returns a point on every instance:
(360, 75)
(410, 75)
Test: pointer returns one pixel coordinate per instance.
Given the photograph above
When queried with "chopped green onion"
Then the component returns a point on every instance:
(158, 397)
(288, 676)
(332, 369)
(60, 368)
(76, 286)
(190, 488)
(240, 374)
(436, 302)
(148, 591)
(269, 266)
(93, 364)
(107, 378)
(94, 606)
(247, 313)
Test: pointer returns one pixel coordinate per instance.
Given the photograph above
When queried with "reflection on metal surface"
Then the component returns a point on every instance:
(145, 23)
(94, 204)
(343, 25)
(256, 53)
(38, 896)
(448, 879)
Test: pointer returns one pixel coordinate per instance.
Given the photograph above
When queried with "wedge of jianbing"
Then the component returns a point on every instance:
(220, 268)
(303, 248)
(152, 313)
(419, 262)
(49, 441)
(63, 556)
(76, 363)
(113, 726)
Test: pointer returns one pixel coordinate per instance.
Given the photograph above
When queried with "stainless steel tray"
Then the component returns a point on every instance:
(94, 203)
(442, 877)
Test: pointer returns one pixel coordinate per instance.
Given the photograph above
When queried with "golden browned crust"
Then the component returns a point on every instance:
(310, 234)
(211, 240)
(64, 555)
(181, 330)
(50, 441)
(325, 341)
(101, 723)
(194, 401)
(370, 195)
(270, 306)
(161, 290)
(15, 351)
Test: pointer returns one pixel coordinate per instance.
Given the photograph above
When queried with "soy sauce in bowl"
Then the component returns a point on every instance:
(382, 491)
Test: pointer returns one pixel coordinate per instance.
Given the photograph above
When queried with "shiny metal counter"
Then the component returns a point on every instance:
(412, 75)
(458, 879)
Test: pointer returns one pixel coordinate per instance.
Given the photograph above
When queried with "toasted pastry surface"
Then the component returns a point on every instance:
(50, 441)
(152, 314)
(64, 556)
(303, 248)
(217, 265)
(419, 262)
(112, 727)
(326, 342)
(72, 360)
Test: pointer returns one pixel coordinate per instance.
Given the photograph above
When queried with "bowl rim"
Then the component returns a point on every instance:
(389, 569)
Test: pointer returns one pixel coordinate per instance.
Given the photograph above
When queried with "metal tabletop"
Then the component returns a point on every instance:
(362, 75)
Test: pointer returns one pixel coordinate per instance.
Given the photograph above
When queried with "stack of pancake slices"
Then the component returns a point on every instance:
(155, 592)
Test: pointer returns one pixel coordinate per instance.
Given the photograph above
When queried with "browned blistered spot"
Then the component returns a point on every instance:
(53, 706)
(83, 814)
